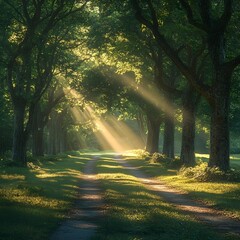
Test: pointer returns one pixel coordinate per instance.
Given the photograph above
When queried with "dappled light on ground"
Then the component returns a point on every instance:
(221, 195)
(134, 212)
(33, 200)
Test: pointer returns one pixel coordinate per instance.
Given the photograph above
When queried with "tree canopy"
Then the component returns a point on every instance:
(157, 68)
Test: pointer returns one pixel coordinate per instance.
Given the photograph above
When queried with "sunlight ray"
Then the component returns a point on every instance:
(110, 132)
(150, 93)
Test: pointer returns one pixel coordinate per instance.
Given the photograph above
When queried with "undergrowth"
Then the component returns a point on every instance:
(166, 161)
(202, 172)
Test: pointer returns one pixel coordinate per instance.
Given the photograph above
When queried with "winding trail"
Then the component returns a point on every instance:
(200, 211)
(81, 223)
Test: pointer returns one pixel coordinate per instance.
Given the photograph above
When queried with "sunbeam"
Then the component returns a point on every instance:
(150, 93)
(111, 133)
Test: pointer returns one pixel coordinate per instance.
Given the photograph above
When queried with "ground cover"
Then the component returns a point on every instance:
(133, 212)
(218, 194)
(33, 200)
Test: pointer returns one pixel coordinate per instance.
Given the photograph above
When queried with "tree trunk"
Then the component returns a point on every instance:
(153, 134)
(37, 133)
(37, 137)
(219, 135)
(141, 126)
(19, 134)
(188, 128)
(168, 138)
(52, 135)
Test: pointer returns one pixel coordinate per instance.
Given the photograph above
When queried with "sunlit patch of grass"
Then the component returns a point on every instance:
(221, 195)
(33, 200)
(234, 159)
(133, 212)
(12, 177)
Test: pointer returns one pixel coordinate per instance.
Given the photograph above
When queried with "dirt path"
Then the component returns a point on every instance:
(81, 223)
(200, 211)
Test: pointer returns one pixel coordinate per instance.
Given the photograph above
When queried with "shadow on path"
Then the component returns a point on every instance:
(81, 223)
(199, 210)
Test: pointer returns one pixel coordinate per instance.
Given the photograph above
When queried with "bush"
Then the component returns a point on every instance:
(141, 153)
(166, 161)
(159, 158)
(203, 173)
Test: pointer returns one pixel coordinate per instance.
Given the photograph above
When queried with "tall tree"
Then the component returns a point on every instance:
(42, 111)
(37, 30)
(214, 26)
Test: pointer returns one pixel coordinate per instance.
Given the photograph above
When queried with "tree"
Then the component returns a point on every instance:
(42, 111)
(217, 94)
(37, 31)
(215, 29)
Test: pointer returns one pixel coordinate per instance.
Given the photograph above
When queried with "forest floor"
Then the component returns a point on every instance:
(82, 220)
(121, 209)
(115, 197)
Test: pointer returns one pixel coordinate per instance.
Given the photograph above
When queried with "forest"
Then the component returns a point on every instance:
(169, 67)
(157, 78)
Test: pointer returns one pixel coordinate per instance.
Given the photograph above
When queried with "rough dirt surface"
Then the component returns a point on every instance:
(199, 210)
(81, 223)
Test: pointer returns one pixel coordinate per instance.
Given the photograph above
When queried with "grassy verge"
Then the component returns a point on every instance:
(34, 199)
(134, 213)
(234, 159)
(220, 195)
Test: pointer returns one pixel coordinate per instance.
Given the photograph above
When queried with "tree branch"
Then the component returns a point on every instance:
(186, 6)
(16, 10)
(139, 15)
(153, 14)
(227, 14)
(204, 6)
(189, 73)
(158, 60)
(232, 64)
(25, 10)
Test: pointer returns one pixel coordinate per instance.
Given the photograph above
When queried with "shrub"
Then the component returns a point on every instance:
(141, 153)
(159, 158)
(203, 173)
(166, 161)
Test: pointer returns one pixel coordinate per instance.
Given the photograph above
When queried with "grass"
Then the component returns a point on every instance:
(220, 195)
(234, 159)
(34, 200)
(135, 213)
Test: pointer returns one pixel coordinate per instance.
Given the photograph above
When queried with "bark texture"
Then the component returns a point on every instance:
(153, 125)
(219, 136)
(19, 134)
(188, 128)
(168, 138)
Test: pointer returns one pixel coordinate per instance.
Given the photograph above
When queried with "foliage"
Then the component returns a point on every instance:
(165, 161)
(140, 153)
(203, 173)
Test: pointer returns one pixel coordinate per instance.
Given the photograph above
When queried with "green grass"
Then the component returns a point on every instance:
(33, 200)
(234, 159)
(220, 195)
(134, 213)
